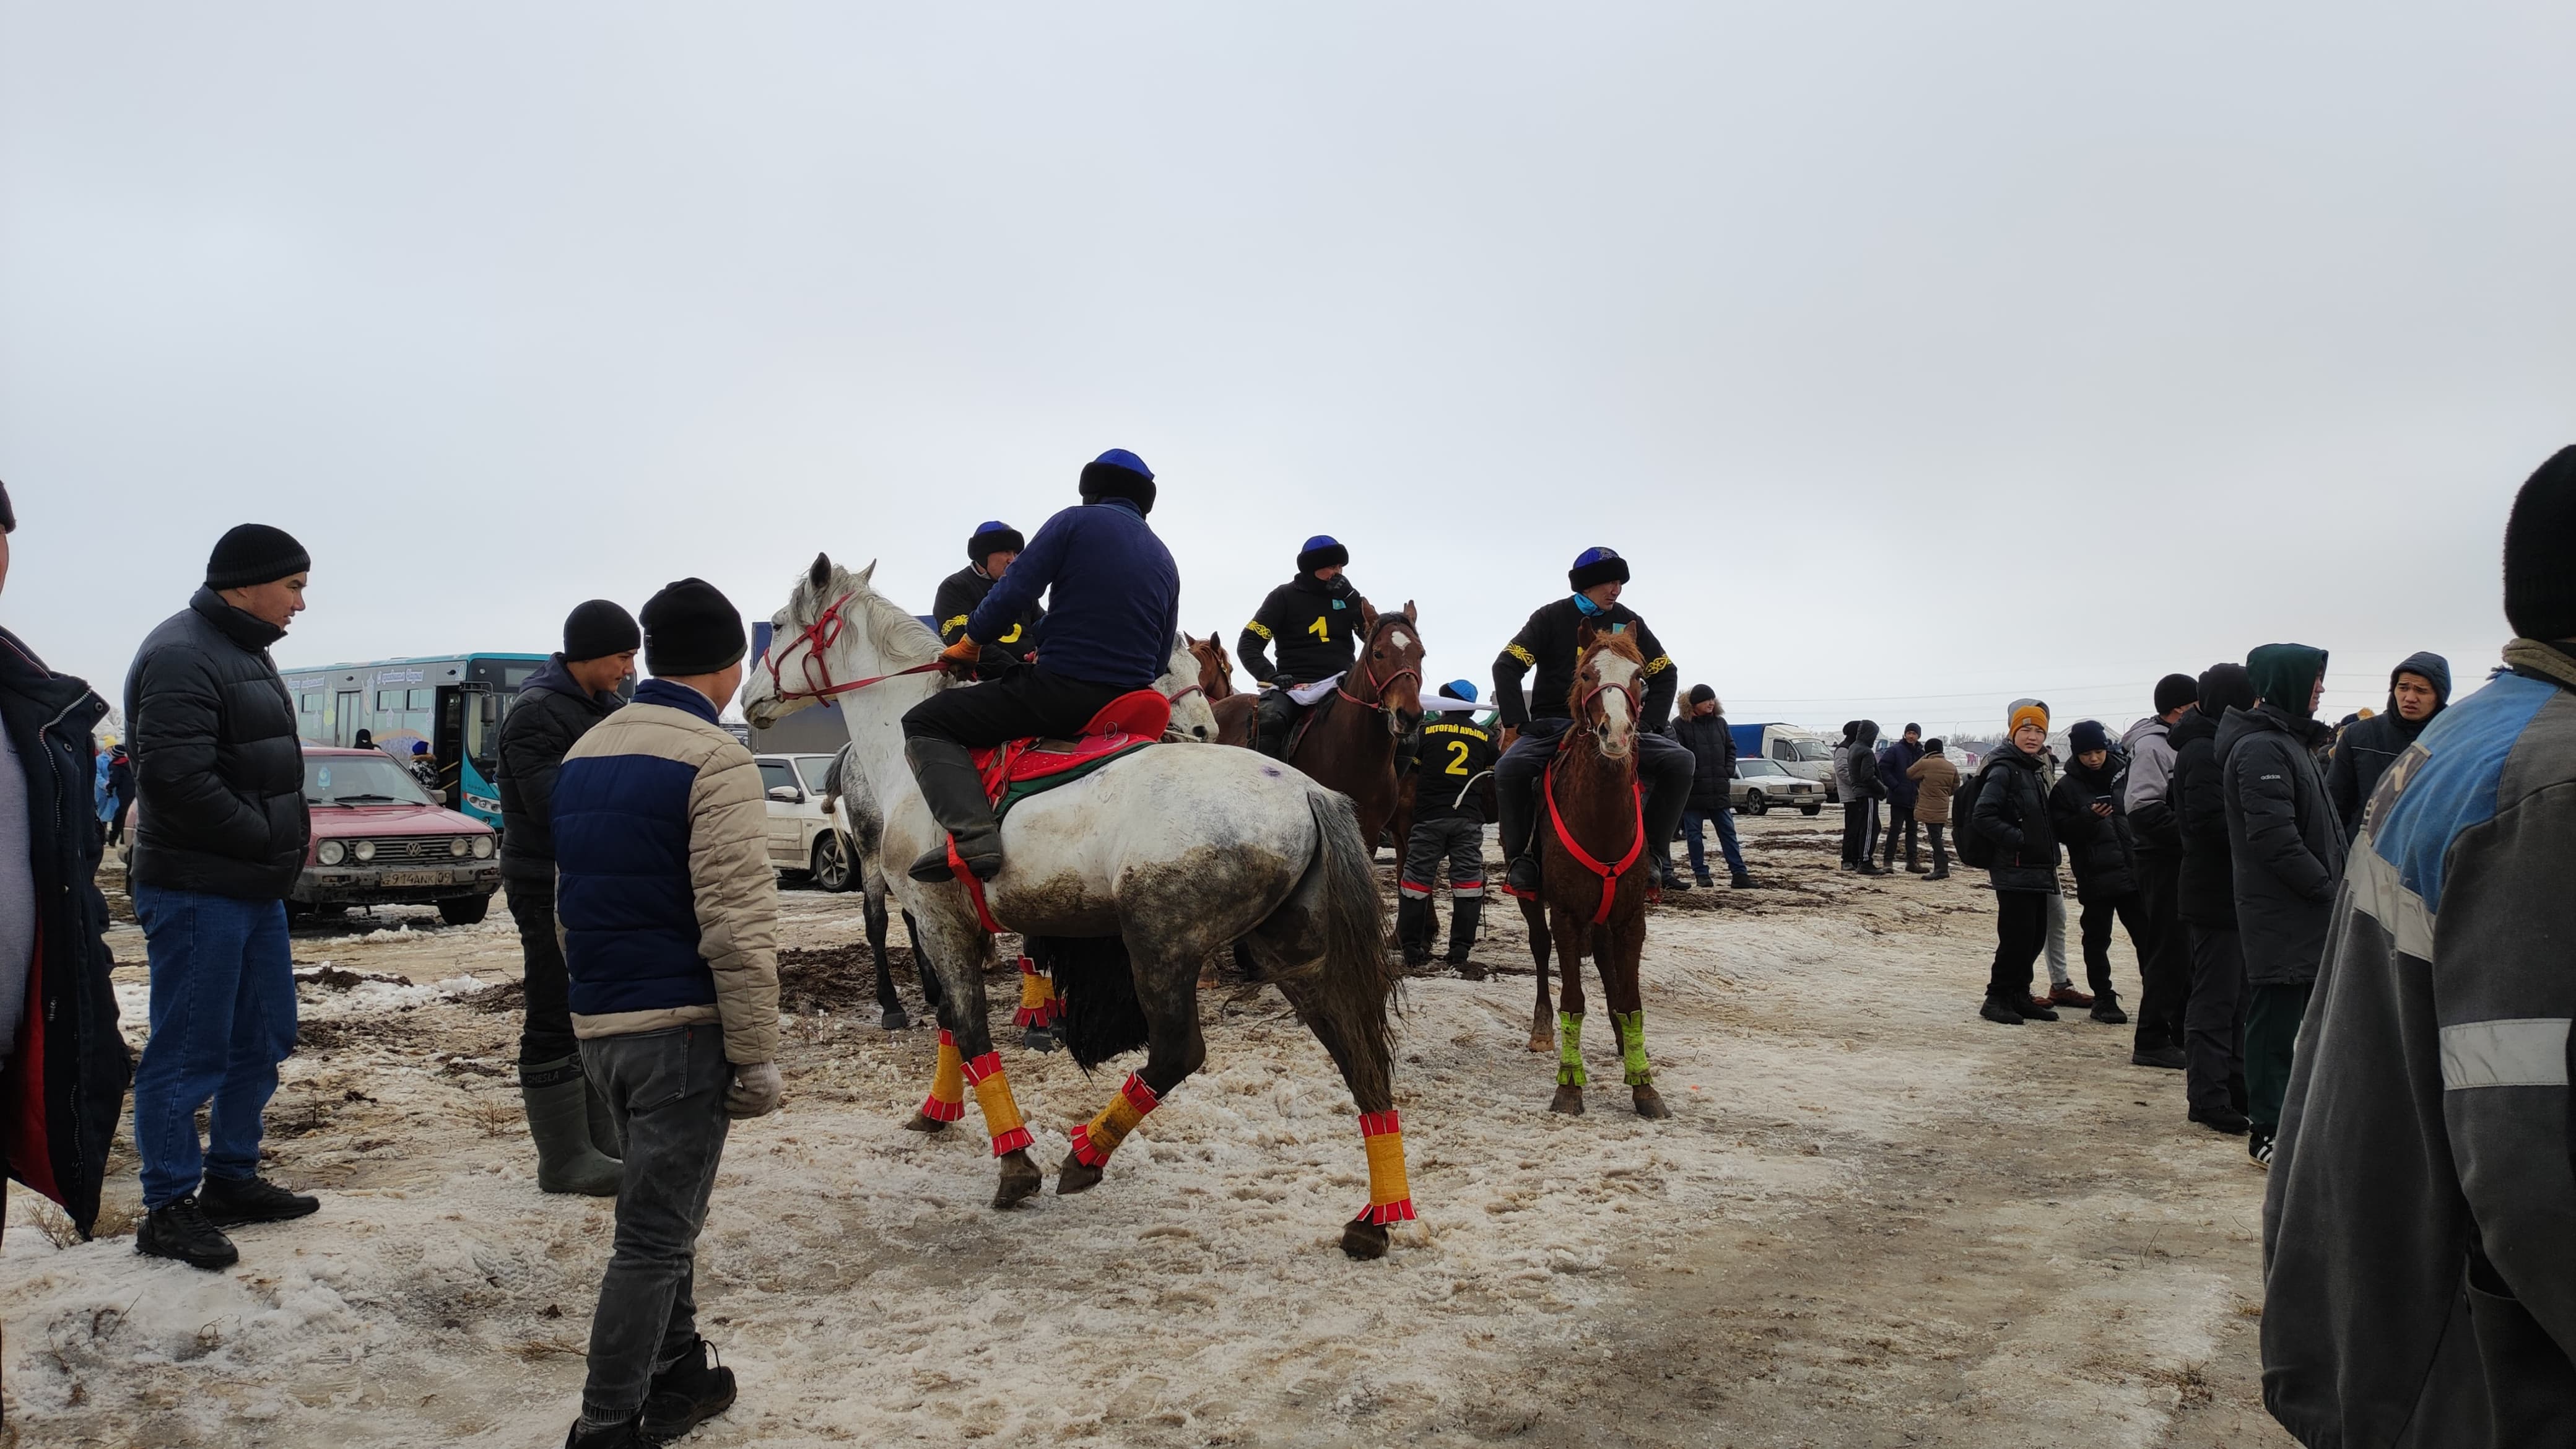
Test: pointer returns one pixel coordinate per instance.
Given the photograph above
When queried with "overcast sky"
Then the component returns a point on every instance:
(1918, 357)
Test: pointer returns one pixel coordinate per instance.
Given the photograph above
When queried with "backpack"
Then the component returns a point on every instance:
(1976, 849)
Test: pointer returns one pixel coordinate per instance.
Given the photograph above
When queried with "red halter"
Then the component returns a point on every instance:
(820, 635)
(1636, 846)
(1378, 687)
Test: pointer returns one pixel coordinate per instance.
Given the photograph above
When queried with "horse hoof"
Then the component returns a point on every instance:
(1075, 1176)
(1650, 1103)
(895, 1020)
(1543, 1042)
(1020, 1180)
(1569, 1100)
(1040, 1039)
(924, 1123)
(1364, 1241)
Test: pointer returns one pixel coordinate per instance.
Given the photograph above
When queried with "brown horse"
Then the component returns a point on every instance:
(1351, 746)
(1594, 871)
(1233, 707)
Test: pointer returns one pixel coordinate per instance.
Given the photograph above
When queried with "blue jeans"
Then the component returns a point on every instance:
(223, 1017)
(1724, 821)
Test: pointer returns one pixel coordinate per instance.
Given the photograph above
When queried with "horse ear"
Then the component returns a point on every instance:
(869, 572)
(1584, 634)
(1368, 617)
(1410, 616)
(821, 573)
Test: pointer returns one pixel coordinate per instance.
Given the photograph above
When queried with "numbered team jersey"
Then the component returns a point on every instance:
(1315, 627)
(1547, 644)
(1447, 776)
(955, 603)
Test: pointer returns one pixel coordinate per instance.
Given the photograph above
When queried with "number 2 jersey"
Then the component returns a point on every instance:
(1447, 776)
(1313, 624)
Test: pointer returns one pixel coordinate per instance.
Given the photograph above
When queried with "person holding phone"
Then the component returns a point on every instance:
(2104, 849)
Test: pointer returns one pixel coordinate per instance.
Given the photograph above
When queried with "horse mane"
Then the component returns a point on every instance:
(1619, 644)
(901, 640)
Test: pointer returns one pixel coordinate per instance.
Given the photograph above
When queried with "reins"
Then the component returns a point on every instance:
(1609, 874)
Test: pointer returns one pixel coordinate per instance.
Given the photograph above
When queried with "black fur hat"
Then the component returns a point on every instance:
(1323, 551)
(993, 538)
(1119, 474)
(1596, 566)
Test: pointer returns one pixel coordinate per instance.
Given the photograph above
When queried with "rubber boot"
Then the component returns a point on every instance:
(559, 1119)
(1413, 929)
(1464, 913)
(604, 1136)
(1271, 717)
(955, 795)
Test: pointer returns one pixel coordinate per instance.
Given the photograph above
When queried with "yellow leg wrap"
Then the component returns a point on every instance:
(1390, 1197)
(993, 1094)
(1094, 1140)
(947, 1099)
(1037, 996)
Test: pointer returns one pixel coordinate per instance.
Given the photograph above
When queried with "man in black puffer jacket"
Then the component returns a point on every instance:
(220, 835)
(2418, 689)
(2012, 813)
(2085, 807)
(1702, 730)
(576, 689)
(2287, 848)
(2205, 902)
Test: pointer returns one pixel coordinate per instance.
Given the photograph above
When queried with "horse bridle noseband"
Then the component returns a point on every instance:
(1377, 686)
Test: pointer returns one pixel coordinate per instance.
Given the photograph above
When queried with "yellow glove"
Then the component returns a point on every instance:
(964, 657)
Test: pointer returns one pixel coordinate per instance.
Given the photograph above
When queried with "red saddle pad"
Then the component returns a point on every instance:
(1139, 716)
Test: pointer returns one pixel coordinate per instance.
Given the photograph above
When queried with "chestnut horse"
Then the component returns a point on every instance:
(1351, 746)
(1595, 871)
(1233, 707)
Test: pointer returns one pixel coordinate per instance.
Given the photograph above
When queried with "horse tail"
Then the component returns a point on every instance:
(1350, 988)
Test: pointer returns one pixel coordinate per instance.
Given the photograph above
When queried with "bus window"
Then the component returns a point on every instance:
(420, 699)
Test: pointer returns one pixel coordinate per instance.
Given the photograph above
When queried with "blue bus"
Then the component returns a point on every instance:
(453, 703)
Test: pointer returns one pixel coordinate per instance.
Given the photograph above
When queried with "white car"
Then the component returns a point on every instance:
(1760, 784)
(801, 837)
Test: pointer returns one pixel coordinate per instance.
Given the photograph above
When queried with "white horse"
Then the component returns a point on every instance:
(1122, 882)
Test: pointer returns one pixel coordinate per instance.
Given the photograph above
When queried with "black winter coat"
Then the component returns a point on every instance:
(2205, 893)
(2103, 852)
(2368, 747)
(216, 758)
(550, 713)
(1863, 764)
(1550, 643)
(1894, 759)
(1712, 747)
(1314, 622)
(2284, 838)
(65, 1086)
(2012, 811)
(960, 594)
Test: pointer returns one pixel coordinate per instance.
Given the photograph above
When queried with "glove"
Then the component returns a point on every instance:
(963, 657)
(754, 1092)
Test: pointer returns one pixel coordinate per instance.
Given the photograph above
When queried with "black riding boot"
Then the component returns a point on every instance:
(1517, 814)
(1413, 929)
(955, 794)
(1464, 912)
(1270, 720)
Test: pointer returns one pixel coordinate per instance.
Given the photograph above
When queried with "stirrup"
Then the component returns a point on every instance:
(933, 865)
(1522, 880)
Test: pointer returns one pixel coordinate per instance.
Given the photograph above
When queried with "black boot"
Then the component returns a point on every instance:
(180, 1230)
(955, 795)
(685, 1395)
(231, 1200)
(622, 1436)
(1464, 913)
(1271, 717)
(1413, 929)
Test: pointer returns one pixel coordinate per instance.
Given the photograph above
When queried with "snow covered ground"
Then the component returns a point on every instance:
(1872, 1220)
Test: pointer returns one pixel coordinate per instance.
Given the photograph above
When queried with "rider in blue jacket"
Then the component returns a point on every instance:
(1113, 608)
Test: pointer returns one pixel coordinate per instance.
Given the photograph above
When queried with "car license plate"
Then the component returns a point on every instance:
(414, 878)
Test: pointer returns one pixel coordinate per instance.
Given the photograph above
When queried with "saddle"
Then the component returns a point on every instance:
(1021, 768)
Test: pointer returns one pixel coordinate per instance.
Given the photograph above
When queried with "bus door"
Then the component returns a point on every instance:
(480, 712)
(447, 742)
(344, 717)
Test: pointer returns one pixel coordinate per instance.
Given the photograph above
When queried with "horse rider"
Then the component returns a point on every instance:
(1547, 643)
(988, 557)
(1314, 618)
(1114, 603)
(1448, 822)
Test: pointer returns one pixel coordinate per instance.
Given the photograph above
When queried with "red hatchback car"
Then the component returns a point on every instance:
(379, 839)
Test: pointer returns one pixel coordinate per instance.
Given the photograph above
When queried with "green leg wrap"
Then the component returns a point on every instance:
(1632, 1046)
(1569, 1050)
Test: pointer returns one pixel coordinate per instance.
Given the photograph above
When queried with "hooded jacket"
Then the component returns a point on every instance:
(65, 1083)
(1712, 747)
(2369, 746)
(2147, 794)
(2103, 852)
(2419, 1225)
(2283, 839)
(2206, 890)
(549, 715)
(1863, 763)
(2012, 811)
(217, 763)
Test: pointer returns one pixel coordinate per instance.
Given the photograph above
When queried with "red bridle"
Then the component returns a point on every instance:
(820, 635)
(1609, 873)
(1378, 687)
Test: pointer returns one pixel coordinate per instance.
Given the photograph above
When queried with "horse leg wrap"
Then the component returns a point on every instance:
(1037, 996)
(1094, 1140)
(1632, 1046)
(1001, 1112)
(1569, 1050)
(1390, 1197)
(947, 1099)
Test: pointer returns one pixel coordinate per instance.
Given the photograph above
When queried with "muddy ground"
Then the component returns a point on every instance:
(1873, 1220)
